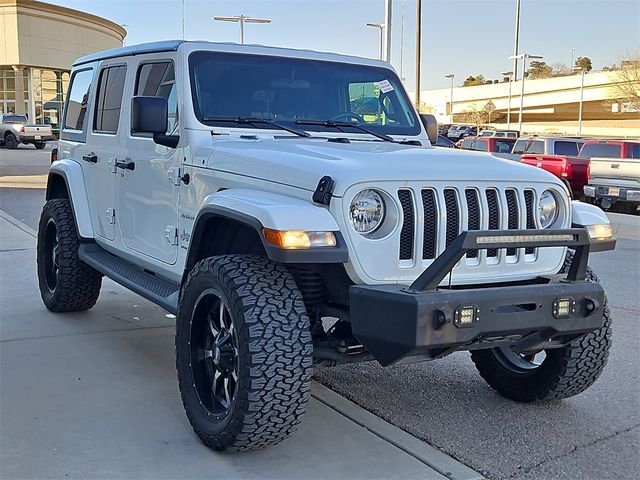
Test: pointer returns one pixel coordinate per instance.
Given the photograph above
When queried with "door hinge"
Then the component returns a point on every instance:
(174, 174)
(111, 163)
(171, 234)
(111, 215)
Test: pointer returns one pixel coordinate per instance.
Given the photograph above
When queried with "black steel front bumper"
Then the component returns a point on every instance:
(395, 321)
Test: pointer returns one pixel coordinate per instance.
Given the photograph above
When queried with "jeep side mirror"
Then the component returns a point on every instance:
(149, 115)
(431, 126)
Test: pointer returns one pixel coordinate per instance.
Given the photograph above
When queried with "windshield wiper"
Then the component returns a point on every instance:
(252, 121)
(340, 125)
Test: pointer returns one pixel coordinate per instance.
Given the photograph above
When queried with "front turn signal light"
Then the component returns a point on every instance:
(299, 239)
(600, 232)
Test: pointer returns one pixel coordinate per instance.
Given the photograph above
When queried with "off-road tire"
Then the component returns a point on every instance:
(40, 145)
(274, 352)
(565, 371)
(10, 141)
(77, 284)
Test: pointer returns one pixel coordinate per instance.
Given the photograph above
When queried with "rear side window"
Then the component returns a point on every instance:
(503, 146)
(479, 145)
(158, 80)
(635, 150)
(78, 100)
(109, 99)
(566, 148)
(537, 147)
(606, 150)
(467, 143)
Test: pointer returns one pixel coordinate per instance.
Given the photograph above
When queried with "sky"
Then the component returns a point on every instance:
(464, 37)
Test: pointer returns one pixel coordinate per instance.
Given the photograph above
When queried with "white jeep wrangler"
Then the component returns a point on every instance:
(289, 208)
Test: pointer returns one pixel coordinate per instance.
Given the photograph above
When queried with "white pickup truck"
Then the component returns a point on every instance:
(15, 129)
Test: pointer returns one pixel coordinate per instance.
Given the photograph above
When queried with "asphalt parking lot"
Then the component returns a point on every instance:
(446, 403)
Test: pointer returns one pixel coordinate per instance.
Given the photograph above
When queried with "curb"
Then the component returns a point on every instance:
(18, 224)
(421, 451)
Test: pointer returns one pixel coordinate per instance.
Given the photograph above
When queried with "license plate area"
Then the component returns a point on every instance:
(37, 137)
(613, 191)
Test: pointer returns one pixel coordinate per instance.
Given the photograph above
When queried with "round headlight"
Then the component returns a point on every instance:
(547, 209)
(366, 211)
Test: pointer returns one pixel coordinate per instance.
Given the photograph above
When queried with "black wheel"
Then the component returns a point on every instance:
(548, 374)
(11, 141)
(67, 284)
(243, 352)
(40, 145)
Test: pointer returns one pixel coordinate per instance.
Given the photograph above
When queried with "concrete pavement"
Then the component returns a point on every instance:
(94, 395)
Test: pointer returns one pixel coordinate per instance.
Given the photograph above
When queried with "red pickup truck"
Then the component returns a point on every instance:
(559, 156)
(574, 169)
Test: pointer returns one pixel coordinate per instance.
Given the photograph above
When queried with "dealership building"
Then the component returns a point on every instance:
(38, 44)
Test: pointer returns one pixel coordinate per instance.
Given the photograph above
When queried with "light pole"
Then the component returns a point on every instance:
(242, 19)
(524, 57)
(582, 72)
(381, 27)
(573, 51)
(510, 75)
(418, 49)
(450, 76)
(515, 43)
(388, 10)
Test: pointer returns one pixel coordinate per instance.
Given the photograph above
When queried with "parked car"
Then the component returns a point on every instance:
(443, 128)
(253, 227)
(499, 147)
(443, 141)
(499, 133)
(456, 132)
(15, 129)
(614, 174)
(557, 155)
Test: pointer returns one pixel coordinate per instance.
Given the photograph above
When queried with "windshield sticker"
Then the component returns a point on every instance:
(385, 86)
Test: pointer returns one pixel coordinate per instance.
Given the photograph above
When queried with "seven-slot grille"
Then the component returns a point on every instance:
(446, 215)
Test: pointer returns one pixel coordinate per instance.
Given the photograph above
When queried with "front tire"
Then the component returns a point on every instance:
(67, 284)
(243, 352)
(551, 374)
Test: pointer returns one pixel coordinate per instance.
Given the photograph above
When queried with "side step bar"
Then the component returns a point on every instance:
(159, 291)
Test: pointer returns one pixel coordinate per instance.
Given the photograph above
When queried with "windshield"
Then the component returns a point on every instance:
(607, 150)
(290, 89)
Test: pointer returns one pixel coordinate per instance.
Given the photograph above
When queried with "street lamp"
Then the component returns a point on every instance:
(582, 72)
(509, 74)
(524, 57)
(381, 27)
(451, 76)
(242, 19)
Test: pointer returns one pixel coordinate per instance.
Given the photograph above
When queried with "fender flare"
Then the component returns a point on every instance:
(71, 173)
(261, 210)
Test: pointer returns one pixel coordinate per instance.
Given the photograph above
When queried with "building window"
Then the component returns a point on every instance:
(7, 91)
(49, 89)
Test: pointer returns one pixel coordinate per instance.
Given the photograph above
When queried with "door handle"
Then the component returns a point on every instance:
(91, 158)
(126, 164)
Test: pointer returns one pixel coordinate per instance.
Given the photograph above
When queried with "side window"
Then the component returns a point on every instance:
(503, 146)
(78, 100)
(467, 143)
(109, 99)
(566, 148)
(537, 147)
(635, 150)
(479, 145)
(159, 80)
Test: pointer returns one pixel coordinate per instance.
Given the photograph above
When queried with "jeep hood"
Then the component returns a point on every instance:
(302, 162)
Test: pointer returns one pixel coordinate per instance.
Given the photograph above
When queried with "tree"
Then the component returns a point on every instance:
(627, 85)
(471, 80)
(560, 70)
(475, 115)
(538, 69)
(584, 63)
